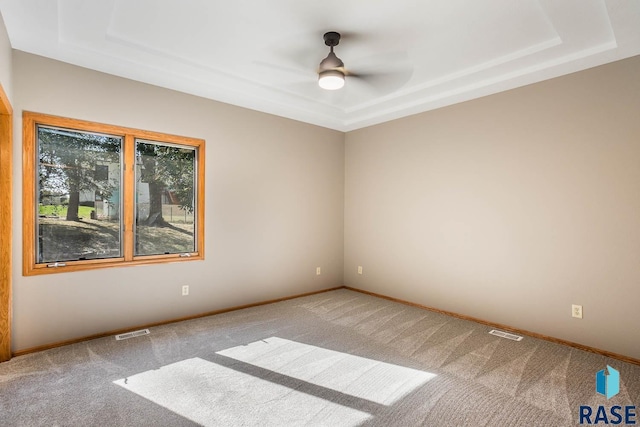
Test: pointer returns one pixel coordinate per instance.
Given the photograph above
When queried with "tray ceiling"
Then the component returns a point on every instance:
(412, 55)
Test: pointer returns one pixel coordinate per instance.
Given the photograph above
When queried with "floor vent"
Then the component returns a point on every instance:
(506, 335)
(132, 334)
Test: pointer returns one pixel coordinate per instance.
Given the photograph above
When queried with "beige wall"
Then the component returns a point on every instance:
(508, 208)
(274, 208)
(5, 61)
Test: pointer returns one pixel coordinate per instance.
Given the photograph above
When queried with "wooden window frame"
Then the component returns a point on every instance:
(30, 121)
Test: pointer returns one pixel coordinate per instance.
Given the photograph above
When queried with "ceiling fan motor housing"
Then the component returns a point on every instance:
(331, 62)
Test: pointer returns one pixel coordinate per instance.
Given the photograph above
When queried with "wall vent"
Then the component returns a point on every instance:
(506, 335)
(132, 334)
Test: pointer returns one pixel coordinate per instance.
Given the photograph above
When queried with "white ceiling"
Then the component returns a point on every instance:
(418, 54)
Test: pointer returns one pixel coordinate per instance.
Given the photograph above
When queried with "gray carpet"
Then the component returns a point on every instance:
(339, 358)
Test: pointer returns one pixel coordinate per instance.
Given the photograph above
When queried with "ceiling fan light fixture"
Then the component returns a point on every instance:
(331, 79)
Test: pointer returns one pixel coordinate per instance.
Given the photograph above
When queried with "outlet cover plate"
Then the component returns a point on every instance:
(576, 311)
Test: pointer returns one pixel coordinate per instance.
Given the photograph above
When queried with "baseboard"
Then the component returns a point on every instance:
(257, 304)
(165, 322)
(505, 327)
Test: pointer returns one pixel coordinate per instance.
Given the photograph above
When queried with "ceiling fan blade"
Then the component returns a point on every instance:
(383, 82)
(299, 55)
(384, 73)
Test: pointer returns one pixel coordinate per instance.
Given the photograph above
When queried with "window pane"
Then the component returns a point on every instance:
(78, 195)
(165, 198)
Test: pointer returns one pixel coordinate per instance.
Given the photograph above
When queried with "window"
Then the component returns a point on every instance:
(164, 198)
(99, 195)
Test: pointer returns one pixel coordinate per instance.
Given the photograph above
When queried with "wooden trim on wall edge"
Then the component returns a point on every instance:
(5, 105)
(166, 322)
(6, 150)
(504, 327)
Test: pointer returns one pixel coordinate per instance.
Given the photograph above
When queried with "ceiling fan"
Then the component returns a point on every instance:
(331, 73)
(382, 73)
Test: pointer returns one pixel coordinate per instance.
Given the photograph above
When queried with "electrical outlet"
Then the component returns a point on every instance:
(185, 290)
(359, 269)
(317, 271)
(576, 311)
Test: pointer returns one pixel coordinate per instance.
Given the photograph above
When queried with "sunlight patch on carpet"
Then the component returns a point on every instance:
(214, 395)
(375, 381)
(211, 394)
